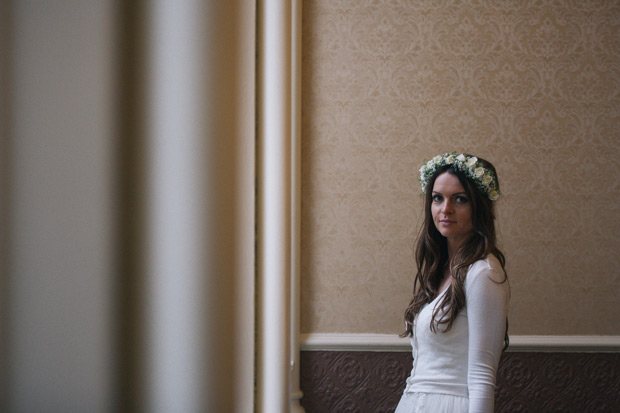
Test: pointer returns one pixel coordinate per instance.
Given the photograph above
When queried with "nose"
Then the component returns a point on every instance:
(447, 207)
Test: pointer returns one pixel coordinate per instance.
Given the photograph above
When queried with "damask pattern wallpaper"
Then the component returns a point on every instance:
(334, 381)
(532, 86)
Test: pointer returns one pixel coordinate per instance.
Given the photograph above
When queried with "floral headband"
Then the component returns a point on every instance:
(468, 166)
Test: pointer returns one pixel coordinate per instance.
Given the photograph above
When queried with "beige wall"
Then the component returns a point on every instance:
(532, 87)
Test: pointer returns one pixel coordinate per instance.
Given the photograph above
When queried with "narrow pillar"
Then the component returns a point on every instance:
(296, 393)
(274, 206)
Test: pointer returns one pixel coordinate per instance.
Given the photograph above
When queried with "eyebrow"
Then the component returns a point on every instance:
(456, 193)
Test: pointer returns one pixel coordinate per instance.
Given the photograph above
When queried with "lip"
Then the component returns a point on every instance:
(447, 222)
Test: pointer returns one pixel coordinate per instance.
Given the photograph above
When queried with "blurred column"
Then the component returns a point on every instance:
(5, 31)
(131, 169)
(62, 218)
(197, 271)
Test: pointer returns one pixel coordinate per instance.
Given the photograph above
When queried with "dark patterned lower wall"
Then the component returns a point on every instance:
(334, 381)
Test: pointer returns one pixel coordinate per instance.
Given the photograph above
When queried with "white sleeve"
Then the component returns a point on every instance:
(487, 306)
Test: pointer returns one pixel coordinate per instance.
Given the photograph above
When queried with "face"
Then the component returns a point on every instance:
(451, 209)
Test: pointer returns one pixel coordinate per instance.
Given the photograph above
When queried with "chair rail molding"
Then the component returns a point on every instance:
(518, 343)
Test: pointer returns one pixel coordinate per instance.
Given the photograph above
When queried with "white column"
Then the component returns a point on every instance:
(274, 206)
(198, 256)
(296, 393)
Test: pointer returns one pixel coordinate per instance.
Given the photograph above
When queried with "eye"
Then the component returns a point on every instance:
(437, 198)
(461, 199)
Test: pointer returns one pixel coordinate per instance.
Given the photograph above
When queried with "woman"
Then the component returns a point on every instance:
(456, 319)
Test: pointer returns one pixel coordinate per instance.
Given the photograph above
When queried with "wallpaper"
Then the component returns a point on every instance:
(532, 86)
(359, 381)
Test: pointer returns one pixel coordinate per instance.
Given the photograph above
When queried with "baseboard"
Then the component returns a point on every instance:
(390, 343)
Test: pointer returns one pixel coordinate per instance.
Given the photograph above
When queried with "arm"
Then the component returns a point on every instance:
(487, 305)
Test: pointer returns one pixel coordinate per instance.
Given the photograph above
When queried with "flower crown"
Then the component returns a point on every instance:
(468, 166)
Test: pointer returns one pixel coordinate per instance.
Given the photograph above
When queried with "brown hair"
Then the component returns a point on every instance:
(431, 254)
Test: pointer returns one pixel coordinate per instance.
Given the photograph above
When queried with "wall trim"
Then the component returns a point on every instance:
(393, 343)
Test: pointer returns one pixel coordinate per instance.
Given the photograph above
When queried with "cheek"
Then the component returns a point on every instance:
(467, 216)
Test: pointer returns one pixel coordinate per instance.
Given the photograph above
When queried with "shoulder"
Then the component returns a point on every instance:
(486, 286)
(484, 270)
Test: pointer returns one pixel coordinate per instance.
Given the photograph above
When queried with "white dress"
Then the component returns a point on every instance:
(455, 371)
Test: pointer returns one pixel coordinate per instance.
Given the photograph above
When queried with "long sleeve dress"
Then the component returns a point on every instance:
(454, 371)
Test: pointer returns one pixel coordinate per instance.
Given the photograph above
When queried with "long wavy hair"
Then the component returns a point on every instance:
(431, 255)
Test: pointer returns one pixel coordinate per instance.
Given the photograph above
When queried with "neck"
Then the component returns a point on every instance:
(455, 243)
(453, 247)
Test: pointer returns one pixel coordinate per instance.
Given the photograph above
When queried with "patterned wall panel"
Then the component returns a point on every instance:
(527, 382)
(533, 86)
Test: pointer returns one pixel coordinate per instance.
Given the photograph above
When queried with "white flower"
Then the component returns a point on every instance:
(486, 179)
(450, 159)
(471, 162)
(460, 158)
(478, 172)
(437, 158)
(493, 195)
(430, 164)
